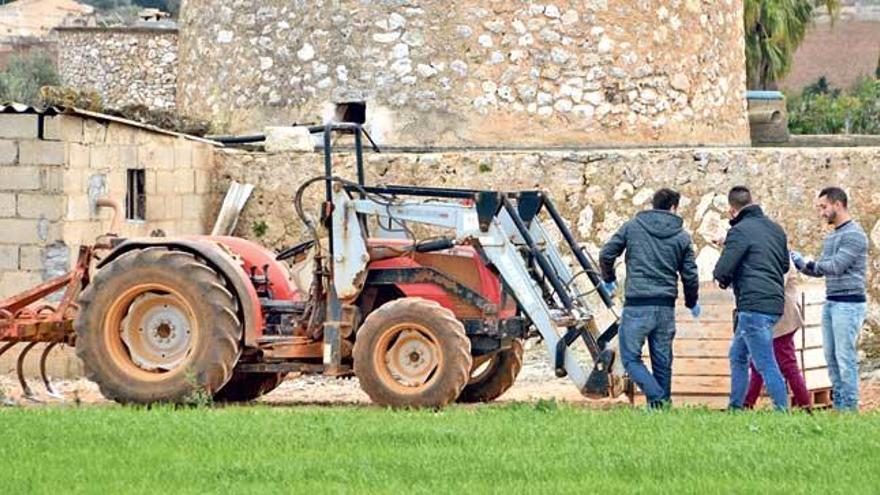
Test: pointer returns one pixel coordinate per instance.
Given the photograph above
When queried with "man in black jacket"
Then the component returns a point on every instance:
(657, 251)
(754, 262)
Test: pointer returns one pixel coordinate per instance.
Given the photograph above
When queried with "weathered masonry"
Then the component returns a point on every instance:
(54, 165)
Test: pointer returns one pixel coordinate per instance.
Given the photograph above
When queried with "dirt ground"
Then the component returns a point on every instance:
(536, 381)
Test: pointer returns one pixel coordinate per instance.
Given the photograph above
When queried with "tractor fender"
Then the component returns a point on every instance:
(251, 312)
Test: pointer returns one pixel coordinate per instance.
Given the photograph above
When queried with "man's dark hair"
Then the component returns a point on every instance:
(665, 199)
(739, 197)
(835, 194)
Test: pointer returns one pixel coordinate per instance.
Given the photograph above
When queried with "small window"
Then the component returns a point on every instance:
(135, 199)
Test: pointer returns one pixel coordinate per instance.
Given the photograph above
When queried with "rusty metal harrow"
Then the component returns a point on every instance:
(26, 318)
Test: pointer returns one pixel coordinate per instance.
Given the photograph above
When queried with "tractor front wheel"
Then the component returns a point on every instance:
(412, 352)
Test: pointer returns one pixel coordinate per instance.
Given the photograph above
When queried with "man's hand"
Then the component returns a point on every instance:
(798, 260)
(609, 287)
(696, 311)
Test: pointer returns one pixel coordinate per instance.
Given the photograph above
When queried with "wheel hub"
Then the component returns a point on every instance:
(157, 332)
(412, 358)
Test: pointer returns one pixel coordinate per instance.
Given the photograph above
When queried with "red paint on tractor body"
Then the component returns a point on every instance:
(255, 257)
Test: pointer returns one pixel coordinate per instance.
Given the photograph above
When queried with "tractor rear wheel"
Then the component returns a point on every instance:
(157, 326)
(245, 387)
(412, 352)
(492, 375)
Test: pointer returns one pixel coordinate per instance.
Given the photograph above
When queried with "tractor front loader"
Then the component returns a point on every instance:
(421, 323)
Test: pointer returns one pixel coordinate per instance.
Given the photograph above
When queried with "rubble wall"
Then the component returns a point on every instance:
(596, 191)
(473, 73)
(126, 66)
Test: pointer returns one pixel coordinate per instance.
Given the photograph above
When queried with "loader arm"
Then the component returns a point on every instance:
(530, 266)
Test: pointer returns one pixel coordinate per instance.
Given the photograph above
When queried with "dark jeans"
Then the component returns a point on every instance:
(656, 324)
(786, 358)
(753, 340)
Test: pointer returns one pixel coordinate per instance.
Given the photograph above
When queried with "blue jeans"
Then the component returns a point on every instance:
(841, 323)
(753, 338)
(657, 325)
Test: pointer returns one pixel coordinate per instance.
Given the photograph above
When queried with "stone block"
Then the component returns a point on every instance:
(121, 134)
(12, 283)
(18, 126)
(155, 208)
(104, 156)
(117, 182)
(203, 155)
(30, 258)
(74, 181)
(8, 152)
(182, 154)
(184, 181)
(78, 207)
(21, 231)
(63, 128)
(79, 155)
(81, 232)
(173, 207)
(8, 257)
(203, 181)
(7, 205)
(281, 139)
(47, 206)
(150, 181)
(39, 152)
(128, 156)
(165, 182)
(155, 155)
(190, 227)
(94, 132)
(53, 180)
(193, 207)
(20, 179)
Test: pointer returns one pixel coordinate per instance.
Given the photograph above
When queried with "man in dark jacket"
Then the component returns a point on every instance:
(658, 250)
(754, 262)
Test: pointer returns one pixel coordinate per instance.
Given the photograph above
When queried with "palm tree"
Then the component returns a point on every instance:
(774, 29)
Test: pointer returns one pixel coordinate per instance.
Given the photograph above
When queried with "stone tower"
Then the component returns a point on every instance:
(475, 73)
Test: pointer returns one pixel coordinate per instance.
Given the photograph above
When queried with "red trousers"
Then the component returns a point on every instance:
(786, 358)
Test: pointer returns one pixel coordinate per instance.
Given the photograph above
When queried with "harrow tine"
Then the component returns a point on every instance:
(19, 368)
(49, 390)
(6, 400)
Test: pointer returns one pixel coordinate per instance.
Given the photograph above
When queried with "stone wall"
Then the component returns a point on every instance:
(31, 205)
(50, 179)
(177, 175)
(475, 73)
(595, 190)
(127, 66)
(50, 186)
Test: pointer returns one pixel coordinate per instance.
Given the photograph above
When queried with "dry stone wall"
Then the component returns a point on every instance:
(127, 66)
(478, 72)
(595, 190)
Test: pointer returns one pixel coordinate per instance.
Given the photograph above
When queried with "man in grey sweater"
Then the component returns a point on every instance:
(843, 263)
(658, 251)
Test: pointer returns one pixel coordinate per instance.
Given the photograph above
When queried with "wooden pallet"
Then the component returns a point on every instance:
(701, 369)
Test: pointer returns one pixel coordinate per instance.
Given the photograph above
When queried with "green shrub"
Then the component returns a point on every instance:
(25, 75)
(821, 109)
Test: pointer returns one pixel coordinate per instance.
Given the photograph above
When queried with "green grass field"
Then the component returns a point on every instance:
(520, 448)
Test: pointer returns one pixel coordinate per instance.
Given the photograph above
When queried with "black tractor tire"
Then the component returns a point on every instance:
(433, 334)
(203, 309)
(245, 387)
(499, 375)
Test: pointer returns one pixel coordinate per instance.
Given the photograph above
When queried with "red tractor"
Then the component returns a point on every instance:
(421, 323)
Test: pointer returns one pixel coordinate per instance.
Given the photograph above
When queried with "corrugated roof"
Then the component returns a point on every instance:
(56, 110)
